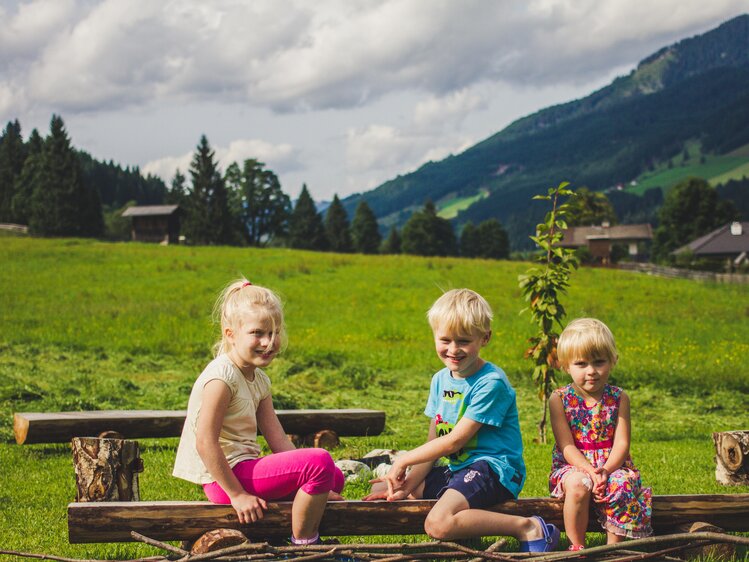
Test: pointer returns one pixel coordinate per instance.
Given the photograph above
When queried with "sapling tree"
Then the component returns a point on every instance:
(542, 286)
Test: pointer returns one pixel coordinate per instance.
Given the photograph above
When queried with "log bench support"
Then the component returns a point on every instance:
(732, 457)
(61, 427)
(113, 521)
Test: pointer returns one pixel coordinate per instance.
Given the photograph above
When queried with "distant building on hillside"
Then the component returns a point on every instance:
(730, 242)
(599, 239)
(154, 223)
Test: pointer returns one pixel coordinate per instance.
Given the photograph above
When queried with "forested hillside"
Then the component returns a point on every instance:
(694, 93)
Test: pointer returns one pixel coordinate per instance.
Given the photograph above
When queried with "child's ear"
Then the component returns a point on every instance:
(229, 333)
(486, 338)
(614, 360)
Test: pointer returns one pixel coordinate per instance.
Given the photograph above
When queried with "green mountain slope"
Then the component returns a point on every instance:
(693, 93)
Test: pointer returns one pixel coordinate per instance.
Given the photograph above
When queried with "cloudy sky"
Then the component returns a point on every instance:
(340, 94)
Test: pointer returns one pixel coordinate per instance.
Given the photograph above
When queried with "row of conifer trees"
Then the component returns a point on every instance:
(56, 190)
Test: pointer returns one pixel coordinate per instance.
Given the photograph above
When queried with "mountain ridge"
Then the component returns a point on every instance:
(696, 88)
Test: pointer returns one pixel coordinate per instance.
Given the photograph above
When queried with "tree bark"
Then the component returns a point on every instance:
(112, 522)
(106, 469)
(61, 427)
(732, 457)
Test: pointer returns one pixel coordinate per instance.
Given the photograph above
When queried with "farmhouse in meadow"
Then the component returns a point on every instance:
(730, 242)
(154, 223)
(599, 239)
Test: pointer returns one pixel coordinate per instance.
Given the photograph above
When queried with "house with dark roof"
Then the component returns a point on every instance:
(730, 241)
(154, 223)
(600, 239)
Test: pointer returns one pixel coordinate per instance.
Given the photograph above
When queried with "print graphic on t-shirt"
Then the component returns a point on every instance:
(444, 427)
(452, 396)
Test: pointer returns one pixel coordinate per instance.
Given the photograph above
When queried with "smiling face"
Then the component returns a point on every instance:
(255, 342)
(590, 375)
(460, 351)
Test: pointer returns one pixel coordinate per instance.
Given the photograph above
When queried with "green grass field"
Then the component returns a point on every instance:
(449, 209)
(715, 169)
(90, 325)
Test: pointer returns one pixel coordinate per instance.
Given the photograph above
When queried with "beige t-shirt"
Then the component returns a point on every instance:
(238, 436)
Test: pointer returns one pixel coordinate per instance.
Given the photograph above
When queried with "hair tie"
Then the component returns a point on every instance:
(245, 284)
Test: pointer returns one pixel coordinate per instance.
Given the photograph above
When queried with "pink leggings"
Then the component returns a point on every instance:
(280, 475)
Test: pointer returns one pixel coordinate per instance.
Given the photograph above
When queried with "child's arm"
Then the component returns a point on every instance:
(216, 397)
(620, 450)
(564, 439)
(416, 476)
(424, 456)
(271, 428)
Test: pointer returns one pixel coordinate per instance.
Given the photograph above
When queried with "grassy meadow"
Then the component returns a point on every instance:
(91, 325)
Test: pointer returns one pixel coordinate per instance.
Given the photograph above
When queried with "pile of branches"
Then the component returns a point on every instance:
(660, 548)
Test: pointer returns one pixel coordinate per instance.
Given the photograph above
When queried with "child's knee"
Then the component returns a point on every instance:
(437, 526)
(578, 487)
(321, 472)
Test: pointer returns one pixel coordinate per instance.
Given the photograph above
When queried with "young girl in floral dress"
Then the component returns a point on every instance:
(591, 425)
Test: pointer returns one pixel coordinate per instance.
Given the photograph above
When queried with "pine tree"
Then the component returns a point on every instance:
(427, 234)
(207, 217)
(365, 233)
(337, 227)
(306, 230)
(12, 157)
(492, 239)
(60, 203)
(27, 179)
(469, 244)
(177, 193)
(391, 244)
(258, 202)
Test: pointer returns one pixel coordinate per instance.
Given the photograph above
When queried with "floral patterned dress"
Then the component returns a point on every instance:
(626, 508)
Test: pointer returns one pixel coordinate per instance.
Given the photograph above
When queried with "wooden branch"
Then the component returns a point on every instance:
(62, 559)
(61, 427)
(158, 544)
(113, 521)
(496, 545)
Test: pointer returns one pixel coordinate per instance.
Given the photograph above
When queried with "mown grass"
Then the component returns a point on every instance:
(89, 325)
(715, 169)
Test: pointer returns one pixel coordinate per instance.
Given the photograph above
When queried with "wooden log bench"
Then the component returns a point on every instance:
(61, 427)
(187, 520)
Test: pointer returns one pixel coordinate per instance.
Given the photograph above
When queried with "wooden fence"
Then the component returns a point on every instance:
(676, 273)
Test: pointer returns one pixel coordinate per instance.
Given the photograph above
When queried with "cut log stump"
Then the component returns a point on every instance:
(720, 551)
(217, 539)
(325, 439)
(106, 469)
(732, 457)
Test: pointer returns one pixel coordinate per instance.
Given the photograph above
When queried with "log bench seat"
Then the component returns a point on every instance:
(187, 520)
(61, 427)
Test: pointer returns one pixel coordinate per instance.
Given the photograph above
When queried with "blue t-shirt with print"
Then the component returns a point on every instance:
(486, 397)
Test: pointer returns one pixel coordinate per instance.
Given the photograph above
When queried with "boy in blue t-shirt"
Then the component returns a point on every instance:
(474, 423)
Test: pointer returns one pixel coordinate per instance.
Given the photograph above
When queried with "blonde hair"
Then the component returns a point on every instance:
(586, 338)
(241, 298)
(461, 311)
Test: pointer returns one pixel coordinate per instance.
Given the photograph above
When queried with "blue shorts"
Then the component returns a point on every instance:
(477, 482)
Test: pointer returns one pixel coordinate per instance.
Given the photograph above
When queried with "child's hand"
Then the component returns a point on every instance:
(600, 482)
(390, 487)
(249, 508)
(395, 478)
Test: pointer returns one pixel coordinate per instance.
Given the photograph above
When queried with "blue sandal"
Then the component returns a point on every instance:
(549, 541)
